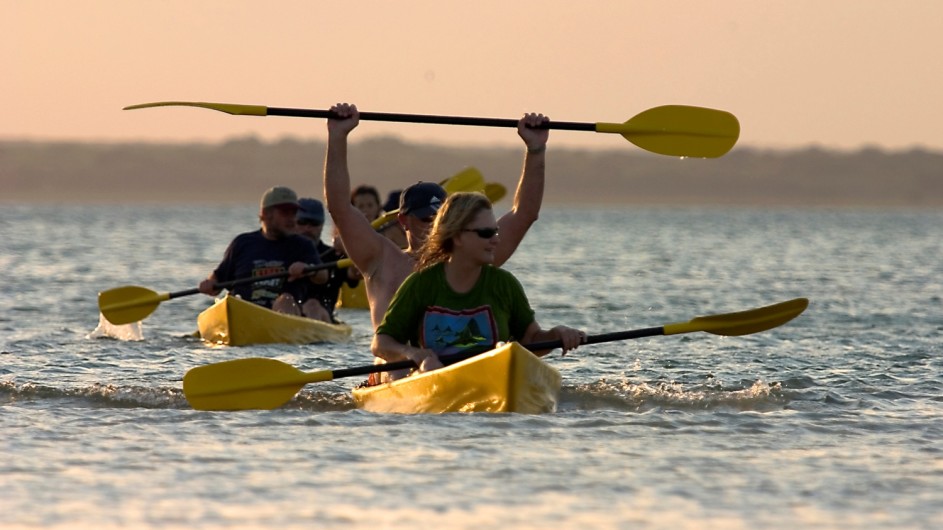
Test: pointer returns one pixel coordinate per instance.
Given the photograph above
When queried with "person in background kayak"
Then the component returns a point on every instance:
(458, 298)
(275, 248)
(392, 200)
(366, 199)
(385, 265)
(310, 221)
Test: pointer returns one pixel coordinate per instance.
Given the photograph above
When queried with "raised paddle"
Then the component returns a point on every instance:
(261, 383)
(673, 130)
(131, 303)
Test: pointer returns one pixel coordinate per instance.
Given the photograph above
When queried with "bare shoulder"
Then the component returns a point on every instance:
(393, 266)
(389, 272)
(364, 246)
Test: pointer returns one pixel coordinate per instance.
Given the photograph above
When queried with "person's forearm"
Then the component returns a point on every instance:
(527, 200)
(336, 172)
(388, 348)
(530, 191)
(540, 335)
(391, 350)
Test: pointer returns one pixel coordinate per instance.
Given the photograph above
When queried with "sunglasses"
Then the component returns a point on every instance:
(307, 222)
(484, 233)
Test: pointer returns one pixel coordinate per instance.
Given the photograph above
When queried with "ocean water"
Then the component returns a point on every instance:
(833, 420)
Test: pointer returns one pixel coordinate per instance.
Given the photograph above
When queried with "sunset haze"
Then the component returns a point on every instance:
(841, 74)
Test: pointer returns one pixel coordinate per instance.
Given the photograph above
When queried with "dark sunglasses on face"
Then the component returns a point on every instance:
(307, 222)
(484, 233)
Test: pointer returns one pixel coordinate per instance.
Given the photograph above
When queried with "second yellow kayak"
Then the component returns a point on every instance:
(236, 322)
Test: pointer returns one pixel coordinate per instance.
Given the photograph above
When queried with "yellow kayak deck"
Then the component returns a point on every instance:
(236, 322)
(506, 379)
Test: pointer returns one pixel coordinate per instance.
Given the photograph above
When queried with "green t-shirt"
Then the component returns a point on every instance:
(426, 312)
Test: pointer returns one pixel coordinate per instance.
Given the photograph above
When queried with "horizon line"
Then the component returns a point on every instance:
(811, 146)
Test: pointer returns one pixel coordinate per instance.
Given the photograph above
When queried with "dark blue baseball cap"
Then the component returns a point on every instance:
(310, 210)
(422, 199)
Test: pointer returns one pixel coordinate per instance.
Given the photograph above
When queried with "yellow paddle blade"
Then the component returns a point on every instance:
(124, 305)
(743, 322)
(228, 108)
(468, 179)
(679, 130)
(246, 384)
(495, 191)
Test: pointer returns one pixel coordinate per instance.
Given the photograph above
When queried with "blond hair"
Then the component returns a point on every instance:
(458, 210)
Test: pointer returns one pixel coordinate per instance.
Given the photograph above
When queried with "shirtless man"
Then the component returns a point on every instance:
(384, 265)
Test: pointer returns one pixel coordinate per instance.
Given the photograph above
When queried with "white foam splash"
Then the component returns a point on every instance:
(132, 332)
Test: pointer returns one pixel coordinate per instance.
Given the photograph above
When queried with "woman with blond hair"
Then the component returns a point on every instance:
(457, 298)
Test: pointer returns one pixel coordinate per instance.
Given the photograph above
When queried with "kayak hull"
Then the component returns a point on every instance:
(506, 379)
(235, 322)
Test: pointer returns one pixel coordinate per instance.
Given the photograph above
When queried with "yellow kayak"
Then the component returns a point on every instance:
(353, 297)
(506, 379)
(236, 322)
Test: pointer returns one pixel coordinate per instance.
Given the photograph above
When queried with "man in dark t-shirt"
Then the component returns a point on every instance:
(273, 249)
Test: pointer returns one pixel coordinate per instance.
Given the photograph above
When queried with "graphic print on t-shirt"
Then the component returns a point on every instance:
(266, 291)
(445, 331)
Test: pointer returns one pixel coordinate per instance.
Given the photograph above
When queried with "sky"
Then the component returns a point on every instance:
(841, 74)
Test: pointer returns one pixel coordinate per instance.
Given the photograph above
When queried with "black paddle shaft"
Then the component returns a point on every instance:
(471, 352)
(226, 285)
(425, 118)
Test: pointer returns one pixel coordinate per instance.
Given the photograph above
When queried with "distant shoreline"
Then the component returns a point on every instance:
(238, 170)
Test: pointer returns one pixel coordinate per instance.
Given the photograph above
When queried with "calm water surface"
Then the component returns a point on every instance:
(831, 421)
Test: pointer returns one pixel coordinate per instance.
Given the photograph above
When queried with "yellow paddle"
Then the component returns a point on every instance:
(260, 383)
(131, 303)
(673, 130)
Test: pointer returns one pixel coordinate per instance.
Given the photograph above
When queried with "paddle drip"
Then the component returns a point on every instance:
(131, 332)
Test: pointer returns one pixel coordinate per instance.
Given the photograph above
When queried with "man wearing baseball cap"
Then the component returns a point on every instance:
(422, 199)
(383, 264)
(275, 248)
(322, 299)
